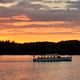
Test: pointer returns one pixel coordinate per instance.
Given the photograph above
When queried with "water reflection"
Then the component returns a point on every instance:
(39, 71)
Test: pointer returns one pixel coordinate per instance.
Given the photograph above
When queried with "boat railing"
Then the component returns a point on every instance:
(50, 56)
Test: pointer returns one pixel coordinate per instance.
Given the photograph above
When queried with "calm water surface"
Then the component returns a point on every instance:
(22, 68)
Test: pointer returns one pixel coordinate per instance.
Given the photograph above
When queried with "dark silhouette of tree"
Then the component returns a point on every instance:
(70, 47)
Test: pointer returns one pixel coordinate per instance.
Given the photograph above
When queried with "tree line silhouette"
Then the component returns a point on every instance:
(70, 47)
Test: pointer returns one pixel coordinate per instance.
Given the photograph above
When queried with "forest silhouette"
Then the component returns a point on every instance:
(69, 47)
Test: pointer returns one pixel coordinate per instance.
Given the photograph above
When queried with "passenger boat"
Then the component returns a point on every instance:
(51, 58)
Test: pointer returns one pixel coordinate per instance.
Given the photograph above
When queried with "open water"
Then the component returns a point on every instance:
(22, 68)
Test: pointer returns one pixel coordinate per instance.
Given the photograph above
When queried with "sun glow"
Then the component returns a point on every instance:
(38, 34)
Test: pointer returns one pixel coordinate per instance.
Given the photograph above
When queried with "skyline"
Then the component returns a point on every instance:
(39, 20)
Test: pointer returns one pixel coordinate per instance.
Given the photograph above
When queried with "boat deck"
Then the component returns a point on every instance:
(52, 59)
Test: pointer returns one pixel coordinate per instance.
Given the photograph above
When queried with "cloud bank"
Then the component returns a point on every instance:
(20, 15)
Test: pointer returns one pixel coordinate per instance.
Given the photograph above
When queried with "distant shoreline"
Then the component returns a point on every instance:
(69, 47)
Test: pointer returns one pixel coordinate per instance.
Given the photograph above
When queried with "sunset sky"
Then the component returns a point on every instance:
(39, 20)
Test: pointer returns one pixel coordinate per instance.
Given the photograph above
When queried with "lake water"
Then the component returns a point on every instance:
(22, 68)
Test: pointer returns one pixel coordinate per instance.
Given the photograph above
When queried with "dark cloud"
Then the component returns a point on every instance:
(50, 15)
(54, 16)
(75, 5)
(7, 1)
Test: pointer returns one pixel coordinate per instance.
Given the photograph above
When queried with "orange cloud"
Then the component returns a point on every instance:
(21, 17)
(37, 23)
(13, 29)
(43, 23)
(18, 17)
(39, 31)
(2, 19)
